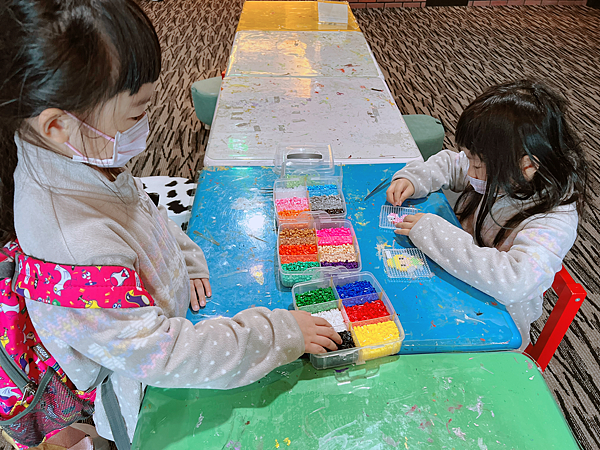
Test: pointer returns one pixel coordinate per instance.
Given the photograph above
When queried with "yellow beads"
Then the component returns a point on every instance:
(378, 333)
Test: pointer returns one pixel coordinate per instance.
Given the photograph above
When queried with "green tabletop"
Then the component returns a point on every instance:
(437, 401)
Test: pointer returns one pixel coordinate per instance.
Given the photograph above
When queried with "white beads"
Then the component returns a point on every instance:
(334, 317)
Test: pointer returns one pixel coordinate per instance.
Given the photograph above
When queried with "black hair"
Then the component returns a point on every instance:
(507, 122)
(74, 55)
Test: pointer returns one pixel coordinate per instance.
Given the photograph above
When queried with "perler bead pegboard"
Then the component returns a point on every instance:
(391, 215)
(406, 263)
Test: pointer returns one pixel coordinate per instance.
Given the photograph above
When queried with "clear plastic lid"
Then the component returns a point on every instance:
(304, 159)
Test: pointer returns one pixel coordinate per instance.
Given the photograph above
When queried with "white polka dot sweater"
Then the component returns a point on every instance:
(66, 212)
(520, 269)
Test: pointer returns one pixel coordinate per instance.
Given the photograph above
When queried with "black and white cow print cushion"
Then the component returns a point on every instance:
(175, 194)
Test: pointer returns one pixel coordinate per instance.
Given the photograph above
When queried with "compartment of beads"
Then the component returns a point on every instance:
(352, 296)
(325, 194)
(406, 264)
(377, 337)
(290, 197)
(390, 215)
(312, 243)
(294, 195)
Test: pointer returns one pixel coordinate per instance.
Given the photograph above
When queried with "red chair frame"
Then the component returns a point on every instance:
(570, 298)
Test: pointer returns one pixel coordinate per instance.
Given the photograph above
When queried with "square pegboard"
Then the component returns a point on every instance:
(387, 210)
(406, 264)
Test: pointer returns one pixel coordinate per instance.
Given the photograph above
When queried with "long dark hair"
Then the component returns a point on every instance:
(504, 124)
(68, 54)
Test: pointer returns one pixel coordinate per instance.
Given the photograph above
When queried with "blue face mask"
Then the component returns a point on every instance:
(478, 185)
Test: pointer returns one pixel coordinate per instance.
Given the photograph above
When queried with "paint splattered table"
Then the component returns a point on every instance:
(288, 16)
(234, 224)
(476, 401)
(356, 116)
(291, 80)
(301, 54)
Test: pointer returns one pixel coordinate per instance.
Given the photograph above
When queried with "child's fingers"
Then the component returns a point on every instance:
(389, 193)
(314, 349)
(403, 196)
(329, 333)
(198, 297)
(207, 288)
(403, 228)
(324, 342)
(320, 321)
(193, 297)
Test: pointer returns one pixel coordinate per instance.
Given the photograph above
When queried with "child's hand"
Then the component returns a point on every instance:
(200, 290)
(317, 332)
(407, 224)
(399, 191)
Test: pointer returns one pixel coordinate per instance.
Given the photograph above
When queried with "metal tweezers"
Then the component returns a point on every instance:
(381, 186)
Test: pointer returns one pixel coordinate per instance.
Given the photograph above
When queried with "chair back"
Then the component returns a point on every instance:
(570, 298)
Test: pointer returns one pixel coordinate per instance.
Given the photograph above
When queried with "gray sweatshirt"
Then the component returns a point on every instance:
(68, 213)
(520, 269)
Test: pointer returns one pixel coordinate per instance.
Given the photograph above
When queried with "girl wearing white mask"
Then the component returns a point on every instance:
(75, 80)
(522, 174)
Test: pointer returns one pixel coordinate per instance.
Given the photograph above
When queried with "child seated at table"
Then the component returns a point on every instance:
(522, 174)
(75, 80)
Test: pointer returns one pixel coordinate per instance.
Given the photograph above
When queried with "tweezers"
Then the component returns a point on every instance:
(383, 185)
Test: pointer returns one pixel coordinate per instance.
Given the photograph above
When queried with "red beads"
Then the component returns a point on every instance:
(304, 249)
(366, 311)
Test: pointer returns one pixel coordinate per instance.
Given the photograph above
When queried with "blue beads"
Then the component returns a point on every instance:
(360, 300)
(322, 189)
(355, 289)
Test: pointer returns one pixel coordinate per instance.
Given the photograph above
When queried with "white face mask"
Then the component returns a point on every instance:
(478, 185)
(126, 145)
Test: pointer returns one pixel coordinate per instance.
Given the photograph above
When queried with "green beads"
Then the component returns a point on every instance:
(320, 295)
(299, 266)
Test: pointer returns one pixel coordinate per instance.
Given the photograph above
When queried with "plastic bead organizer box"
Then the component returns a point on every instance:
(359, 310)
(319, 258)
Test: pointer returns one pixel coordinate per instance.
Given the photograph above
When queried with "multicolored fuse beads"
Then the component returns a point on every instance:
(405, 263)
(374, 331)
(298, 253)
(325, 198)
(291, 206)
(395, 218)
(321, 248)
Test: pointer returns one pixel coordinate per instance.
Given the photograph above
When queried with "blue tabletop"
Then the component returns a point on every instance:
(234, 224)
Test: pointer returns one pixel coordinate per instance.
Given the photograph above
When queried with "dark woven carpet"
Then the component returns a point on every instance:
(435, 61)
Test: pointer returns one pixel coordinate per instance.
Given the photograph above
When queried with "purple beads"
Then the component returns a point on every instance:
(346, 264)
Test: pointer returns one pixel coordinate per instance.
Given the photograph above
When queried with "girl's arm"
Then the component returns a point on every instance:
(522, 273)
(145, 345)
(194, 256)
(445, 170)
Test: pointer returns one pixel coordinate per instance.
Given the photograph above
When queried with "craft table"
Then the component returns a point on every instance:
(474, 401)
(356, 116)
(233, 222)
(288, 16)
(301, 54)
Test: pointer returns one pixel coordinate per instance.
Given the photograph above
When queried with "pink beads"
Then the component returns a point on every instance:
(292, 204)
(334, 236)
